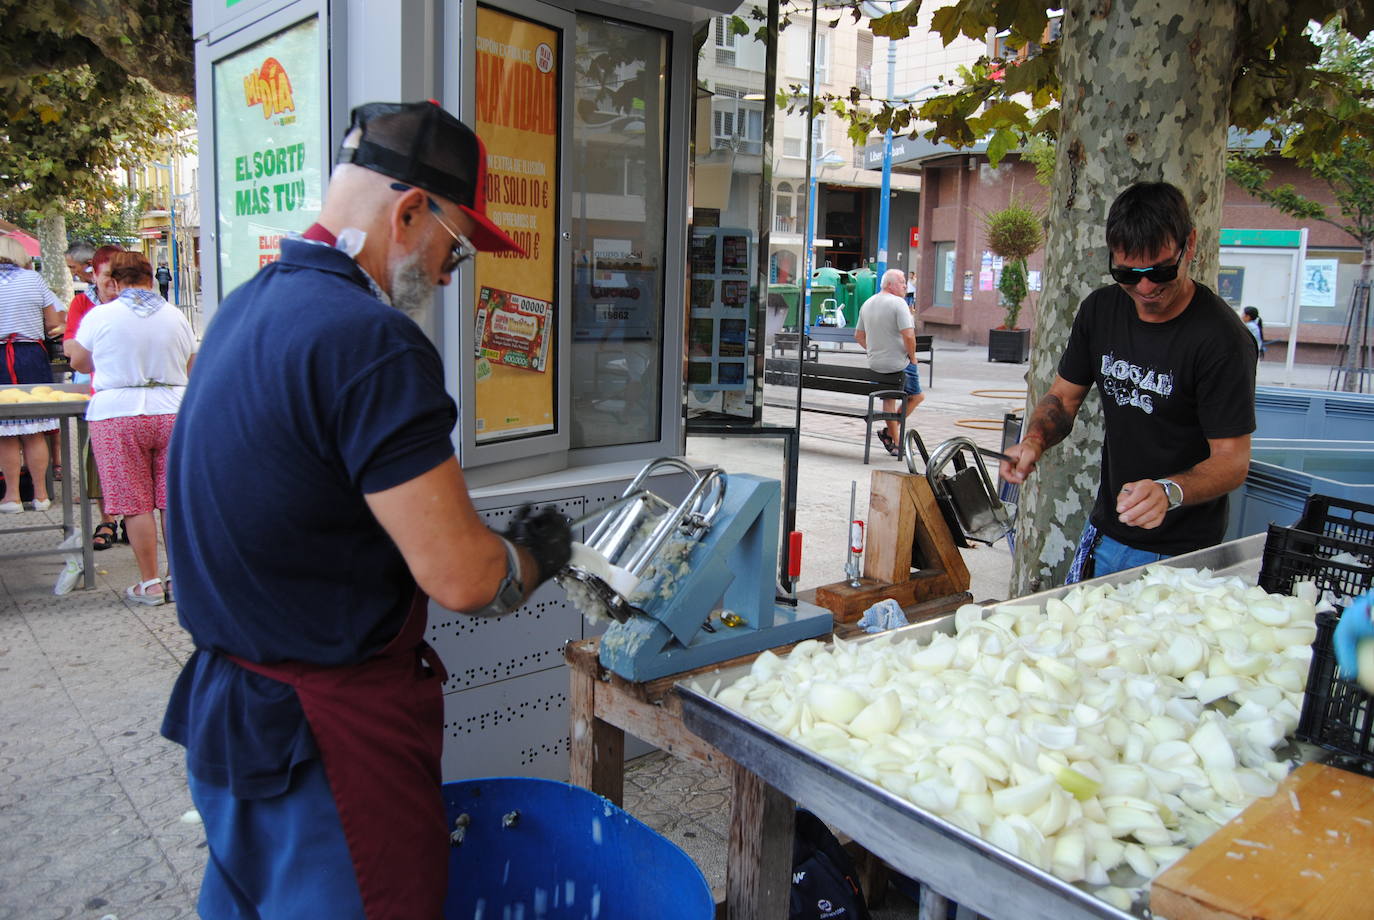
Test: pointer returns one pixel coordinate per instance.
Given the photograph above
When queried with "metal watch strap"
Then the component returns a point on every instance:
(1172, 491)
(511, 594)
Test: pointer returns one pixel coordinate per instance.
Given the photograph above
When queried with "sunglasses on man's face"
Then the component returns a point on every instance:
(1159, 274)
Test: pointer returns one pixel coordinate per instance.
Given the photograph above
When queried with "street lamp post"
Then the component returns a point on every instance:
(885, 196)
(172, 228)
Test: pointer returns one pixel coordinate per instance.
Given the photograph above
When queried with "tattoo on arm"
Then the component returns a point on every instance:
(1051, 422)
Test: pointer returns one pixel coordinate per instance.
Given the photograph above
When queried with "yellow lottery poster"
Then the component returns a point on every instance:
(516, 315)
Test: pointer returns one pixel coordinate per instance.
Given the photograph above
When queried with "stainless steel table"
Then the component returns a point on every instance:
(945, 858)
(73, 477)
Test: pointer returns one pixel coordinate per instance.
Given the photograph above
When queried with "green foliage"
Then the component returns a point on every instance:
(1014, 232)
(66, 138)
(1041, 152)
(1278, 60)
(113, 220)
(115, 39)
(1014, 286)
(1346, 165)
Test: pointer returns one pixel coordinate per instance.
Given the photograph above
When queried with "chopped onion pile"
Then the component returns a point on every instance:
(663, 571)
(1080, 737)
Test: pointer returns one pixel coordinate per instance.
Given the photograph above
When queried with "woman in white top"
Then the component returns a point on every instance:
(140, 350)
(27, 311)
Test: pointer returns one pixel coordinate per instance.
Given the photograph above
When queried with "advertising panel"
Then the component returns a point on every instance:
(516, 314)
(269, 111)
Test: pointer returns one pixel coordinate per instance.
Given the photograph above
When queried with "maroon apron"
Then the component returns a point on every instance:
(379, 726)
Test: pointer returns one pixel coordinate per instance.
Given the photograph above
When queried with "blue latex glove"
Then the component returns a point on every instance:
(1354, 627)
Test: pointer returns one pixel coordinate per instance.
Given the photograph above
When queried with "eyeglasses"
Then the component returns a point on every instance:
(462, 246)
(1159, 274)
(462, 250)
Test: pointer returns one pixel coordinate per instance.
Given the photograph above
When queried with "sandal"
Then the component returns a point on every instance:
(886, 440)
(140, 594)
(105, 535)
(123, 531)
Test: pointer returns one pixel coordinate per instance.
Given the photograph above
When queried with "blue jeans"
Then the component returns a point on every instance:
(912, 384)
(1113, 556)
(283, 858)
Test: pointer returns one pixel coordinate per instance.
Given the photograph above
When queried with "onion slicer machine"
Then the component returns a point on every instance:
(688, 584)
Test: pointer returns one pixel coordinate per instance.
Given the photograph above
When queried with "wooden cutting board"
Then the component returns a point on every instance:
(1277, 862)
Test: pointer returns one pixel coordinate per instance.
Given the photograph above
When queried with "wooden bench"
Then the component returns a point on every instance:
(786, 343)
(841, 378)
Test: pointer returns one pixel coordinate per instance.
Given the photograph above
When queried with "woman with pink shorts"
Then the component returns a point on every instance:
(140, 350)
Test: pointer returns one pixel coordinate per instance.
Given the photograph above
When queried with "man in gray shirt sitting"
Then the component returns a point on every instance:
(887, 331)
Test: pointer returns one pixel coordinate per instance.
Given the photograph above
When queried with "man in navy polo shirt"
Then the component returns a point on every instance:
(314, 504)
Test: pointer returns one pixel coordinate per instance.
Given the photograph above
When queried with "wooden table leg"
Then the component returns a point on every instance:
(597, 748)
(759, 861)
(933, 906)
(873, 876)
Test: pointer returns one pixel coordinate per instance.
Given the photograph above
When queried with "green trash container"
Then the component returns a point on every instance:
(789, 294)
(865, 286)
(819, 294)
(829, 277)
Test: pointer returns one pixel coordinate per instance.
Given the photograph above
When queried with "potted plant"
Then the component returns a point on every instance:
(1014, 232)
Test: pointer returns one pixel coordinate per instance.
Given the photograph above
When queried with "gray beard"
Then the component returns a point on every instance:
(411, 289)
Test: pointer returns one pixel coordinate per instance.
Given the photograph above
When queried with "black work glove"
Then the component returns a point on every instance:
(546, 535)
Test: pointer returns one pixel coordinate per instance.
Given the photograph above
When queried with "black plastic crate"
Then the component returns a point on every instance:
(1336, 714)
(1292, 555)
(1338, 517)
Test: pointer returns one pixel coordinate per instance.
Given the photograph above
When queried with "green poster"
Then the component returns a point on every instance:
(269, 111)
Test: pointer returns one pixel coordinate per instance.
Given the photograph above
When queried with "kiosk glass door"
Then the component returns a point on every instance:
(618, 193)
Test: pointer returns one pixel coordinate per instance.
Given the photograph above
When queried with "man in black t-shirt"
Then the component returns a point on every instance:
(1176, 372)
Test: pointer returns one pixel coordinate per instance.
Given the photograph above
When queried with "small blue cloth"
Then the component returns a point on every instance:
(882, 616)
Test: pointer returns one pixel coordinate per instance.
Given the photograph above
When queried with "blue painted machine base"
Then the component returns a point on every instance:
(732, 566)
(807, 621)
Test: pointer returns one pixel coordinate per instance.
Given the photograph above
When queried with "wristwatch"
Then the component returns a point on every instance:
(1172, 491)
(511, 593)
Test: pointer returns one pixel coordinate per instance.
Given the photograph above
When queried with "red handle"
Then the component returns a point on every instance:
(794, 553)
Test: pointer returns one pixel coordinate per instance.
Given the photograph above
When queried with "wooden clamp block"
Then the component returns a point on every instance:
(903, 517)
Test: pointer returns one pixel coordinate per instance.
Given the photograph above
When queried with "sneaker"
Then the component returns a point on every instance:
(44, 505)
(10, 507)
(140, 594)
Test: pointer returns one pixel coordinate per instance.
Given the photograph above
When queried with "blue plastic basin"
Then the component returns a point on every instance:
(566, 853)
(1284, 472)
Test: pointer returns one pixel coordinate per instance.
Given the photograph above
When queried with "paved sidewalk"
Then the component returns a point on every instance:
(91, 797)
(93, 802)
